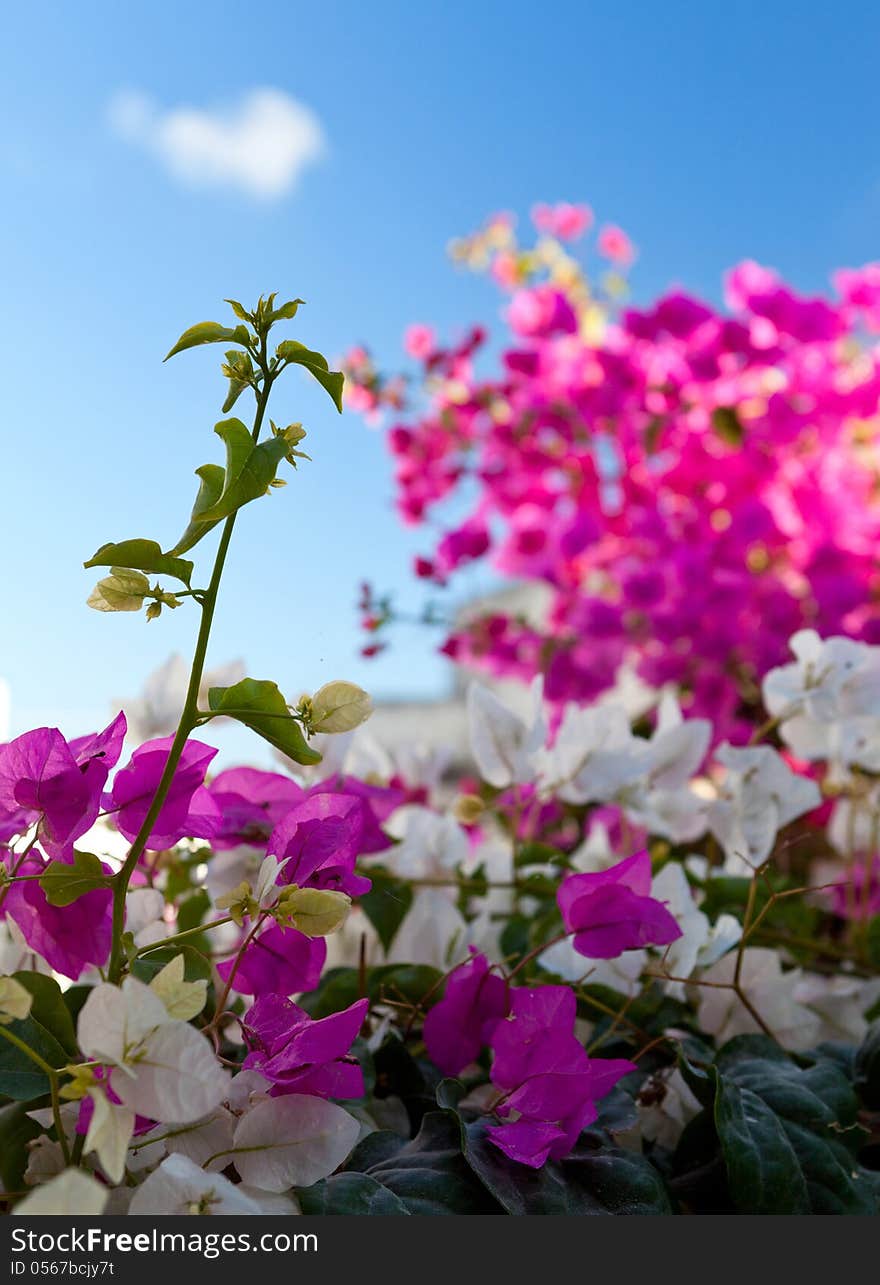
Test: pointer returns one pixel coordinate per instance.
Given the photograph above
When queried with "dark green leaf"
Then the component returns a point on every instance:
(141, 555)
(386, 903)
(867, 1069)
(591, 1180)
(49, 1009)
(430, 1176)
(762, 1167)
(209, 332)
(316, 364)
(260, 705)
(21, 1078)
(350, 1193)
(16, 1131)
(64, 882)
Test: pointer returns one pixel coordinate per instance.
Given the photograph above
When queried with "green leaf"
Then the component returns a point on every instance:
(20, 1078)
(386, 904)
(195, 966)
(209, 332)
(238, 369)
(287, 311)
(49, 1009)
(249, 468)
(141, 555)
(297, 354)
(64, 882)
(16, 1131)
(817, 1111)
(260, 705)
(762, 1166)
(867, 1069)
(211, 481)
(350, 1193)
(591, 1180)
(430, 1175)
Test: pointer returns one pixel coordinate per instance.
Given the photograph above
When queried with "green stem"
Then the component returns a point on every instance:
(182, 936)
(188, 718)
(52, 1076)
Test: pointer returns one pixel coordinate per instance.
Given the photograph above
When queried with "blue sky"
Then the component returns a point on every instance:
(709, 131)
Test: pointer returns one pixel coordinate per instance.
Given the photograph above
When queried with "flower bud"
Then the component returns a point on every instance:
(468, 808)
(317, 912)
(339, 707)
(123, 590)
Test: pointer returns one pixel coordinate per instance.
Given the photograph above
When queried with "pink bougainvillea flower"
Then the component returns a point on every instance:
(419, 341)
(280, 961)
(44, 778)
(859, 897)
(189, 811)
(615, 245)
(457, 1027)
(566, 221)
(321, 840)
(251, 804)
(550, 1084)
(301, 1055)
(71, 938)
(613, 911)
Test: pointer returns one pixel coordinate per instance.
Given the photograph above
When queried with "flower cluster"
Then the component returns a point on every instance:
(687, 486)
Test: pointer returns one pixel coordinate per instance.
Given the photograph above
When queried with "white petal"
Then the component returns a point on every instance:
(109, 1134)
(72, 1192)
(180, 1187)
(292, 1141)
(176, 1080)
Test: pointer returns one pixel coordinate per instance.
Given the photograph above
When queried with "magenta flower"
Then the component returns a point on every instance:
(321, 838)
(301, 1055)
(44, 778)
(189, 811)
(463, 1021)
(251, 804)
(70, 938)
(550, 1084)
(613, 911)
(280, 961)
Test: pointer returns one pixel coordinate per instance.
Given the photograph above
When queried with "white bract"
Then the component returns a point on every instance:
(292, 1141)
(180, 1187)
(162, 1068)
(502, 743)
(757, 797)
(828, 701)
(71, 1192)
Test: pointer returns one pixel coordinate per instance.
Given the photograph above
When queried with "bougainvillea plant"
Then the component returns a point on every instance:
(625, 967)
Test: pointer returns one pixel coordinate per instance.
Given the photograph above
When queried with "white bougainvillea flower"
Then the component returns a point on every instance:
(840, 1003)
(622, 974)
(773, 994)
(15, 1001)
(700, 944)
(109, 1133)
(592, 757)
(855, 823)
(144, 916)
(162, 1068)
(828, 701)
(433, 931)
(677, 746)
(292, 1141)
(431, 843)
(757, 797)
(502, 742)
(71, 1192)
(180, 1187)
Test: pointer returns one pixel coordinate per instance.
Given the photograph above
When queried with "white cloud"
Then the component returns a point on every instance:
(260, 145)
